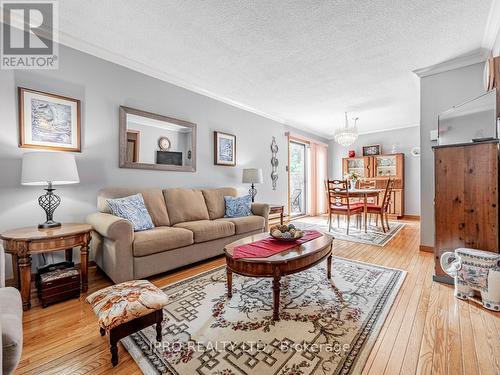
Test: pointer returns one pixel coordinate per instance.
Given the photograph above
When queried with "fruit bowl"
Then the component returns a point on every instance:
(286, 233)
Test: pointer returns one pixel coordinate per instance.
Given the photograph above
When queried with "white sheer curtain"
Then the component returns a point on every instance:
(321, 176)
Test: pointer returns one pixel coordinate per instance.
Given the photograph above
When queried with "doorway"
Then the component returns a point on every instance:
(307, 171)
(298, 179)
(133, 145)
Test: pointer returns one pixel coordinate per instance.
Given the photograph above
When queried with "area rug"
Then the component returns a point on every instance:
(325, 327)
(373, 236)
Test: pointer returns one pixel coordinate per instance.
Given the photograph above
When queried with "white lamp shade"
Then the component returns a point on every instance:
(39, 168)
(252, 176)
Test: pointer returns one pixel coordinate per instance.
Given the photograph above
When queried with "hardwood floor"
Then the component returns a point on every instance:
(427, 330)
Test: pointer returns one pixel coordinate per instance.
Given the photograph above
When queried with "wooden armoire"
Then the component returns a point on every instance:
(465, 199)
(466, 195)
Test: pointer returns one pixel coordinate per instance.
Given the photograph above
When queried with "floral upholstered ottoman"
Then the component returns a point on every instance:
(128, 307)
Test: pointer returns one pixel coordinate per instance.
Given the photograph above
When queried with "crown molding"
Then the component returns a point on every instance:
(383, 130)
(477, 56)
(492, 29)
(102, 53)
(390, 129)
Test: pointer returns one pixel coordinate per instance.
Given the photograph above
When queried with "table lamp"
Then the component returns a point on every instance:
(252, 176)
(50, 168)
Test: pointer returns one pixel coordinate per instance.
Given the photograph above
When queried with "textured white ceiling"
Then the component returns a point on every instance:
(303, 62)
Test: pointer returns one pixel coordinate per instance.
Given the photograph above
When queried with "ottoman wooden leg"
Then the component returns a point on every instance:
(113, 341)
(159, 319)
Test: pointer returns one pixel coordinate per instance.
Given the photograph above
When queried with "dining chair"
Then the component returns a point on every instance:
(340, 204)
(381, 210)
(366, 183)
(327, 198)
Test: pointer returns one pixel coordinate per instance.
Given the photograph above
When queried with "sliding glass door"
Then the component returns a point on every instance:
(298, 179)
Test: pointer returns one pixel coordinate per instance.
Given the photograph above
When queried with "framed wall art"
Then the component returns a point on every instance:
(48, 121)
(372, 150)
(224, 149)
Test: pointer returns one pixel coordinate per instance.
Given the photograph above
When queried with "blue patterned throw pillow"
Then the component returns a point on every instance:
(133, 209)
(238, 207)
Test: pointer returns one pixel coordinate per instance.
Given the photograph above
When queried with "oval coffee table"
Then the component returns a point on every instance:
(287, 262)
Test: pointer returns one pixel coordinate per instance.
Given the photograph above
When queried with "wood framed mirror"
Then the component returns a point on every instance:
(151, 141)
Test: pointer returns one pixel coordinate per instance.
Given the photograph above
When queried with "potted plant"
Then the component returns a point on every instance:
(353, 177)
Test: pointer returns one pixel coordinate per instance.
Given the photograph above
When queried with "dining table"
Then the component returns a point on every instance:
(363, 194)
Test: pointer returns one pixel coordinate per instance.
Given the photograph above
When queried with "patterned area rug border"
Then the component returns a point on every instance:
(380, 239)
(376, 321)
(353, 362)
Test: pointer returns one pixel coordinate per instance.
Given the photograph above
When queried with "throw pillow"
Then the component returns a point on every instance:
(238, 206)
(133, 209)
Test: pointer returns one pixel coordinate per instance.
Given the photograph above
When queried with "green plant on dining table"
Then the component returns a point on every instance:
(352, 175)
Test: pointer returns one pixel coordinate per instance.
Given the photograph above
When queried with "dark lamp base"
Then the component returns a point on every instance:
(49, 224)
(252, 192)
(49, 202)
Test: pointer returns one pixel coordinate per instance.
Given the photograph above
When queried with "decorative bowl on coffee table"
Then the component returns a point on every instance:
(281, 239)
(286, 233)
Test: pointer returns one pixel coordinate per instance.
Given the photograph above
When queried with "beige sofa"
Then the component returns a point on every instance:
(11, 323)
(189, 227)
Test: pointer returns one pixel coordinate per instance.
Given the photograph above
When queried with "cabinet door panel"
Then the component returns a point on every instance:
(448, 206)
(358, 165)
(481, 198)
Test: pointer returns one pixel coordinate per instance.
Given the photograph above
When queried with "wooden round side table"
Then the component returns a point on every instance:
(23, 242)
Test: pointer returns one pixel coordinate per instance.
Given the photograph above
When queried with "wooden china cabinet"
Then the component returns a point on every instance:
(379, 168)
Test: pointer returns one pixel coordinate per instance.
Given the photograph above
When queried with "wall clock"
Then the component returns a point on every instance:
(488, 75)
(164, 143)
(491, 75)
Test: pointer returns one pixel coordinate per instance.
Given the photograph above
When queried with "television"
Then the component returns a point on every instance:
(169, 157)
(472, 121)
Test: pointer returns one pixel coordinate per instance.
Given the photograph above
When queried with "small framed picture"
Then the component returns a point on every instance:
(48, 121)
(372, 150)
(224, 149)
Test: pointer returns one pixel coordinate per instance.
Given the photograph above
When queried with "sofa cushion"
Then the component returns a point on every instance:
(207, 230)
(238, 206)
(160, 239)
(153, 198)
(133, 209)
(11, 316)
(246, 224)
(185, 205)
(214, 199)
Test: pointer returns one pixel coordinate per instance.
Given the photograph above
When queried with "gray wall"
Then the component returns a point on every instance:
(438, 93)
(103, 87)
(405, 139)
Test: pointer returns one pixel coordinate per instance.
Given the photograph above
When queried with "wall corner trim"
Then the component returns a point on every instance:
(492, 28)
(477, 56)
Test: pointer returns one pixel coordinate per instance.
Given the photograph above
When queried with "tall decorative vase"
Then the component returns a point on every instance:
(352, 184)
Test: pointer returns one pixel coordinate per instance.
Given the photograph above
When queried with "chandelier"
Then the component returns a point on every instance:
(346, 135)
